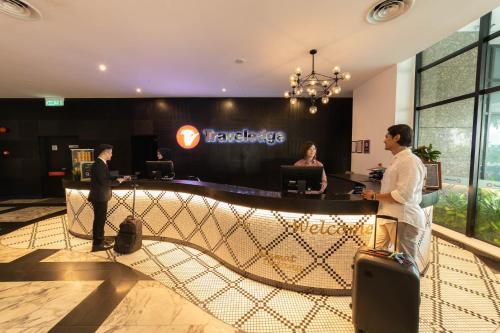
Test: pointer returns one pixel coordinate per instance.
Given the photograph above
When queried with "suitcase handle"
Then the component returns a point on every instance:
(134, 186)
(387, 217)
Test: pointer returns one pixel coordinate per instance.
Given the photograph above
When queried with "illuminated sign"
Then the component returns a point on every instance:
(244, 136)
(188, 137)
(54, 101)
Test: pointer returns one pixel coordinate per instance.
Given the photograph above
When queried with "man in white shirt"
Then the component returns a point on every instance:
(400, 194)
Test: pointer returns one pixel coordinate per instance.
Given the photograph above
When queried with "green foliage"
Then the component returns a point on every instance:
(451, 212)
(488, 216)
(427, 153)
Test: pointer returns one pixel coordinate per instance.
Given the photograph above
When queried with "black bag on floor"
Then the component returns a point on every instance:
(385, 290)
(129, 238)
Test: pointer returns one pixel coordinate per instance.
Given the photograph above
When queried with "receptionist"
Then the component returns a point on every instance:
(308, 153)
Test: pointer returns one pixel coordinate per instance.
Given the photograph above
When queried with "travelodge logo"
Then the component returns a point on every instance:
(188, 137)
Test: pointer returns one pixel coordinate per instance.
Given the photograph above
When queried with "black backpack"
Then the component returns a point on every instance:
(129, 238)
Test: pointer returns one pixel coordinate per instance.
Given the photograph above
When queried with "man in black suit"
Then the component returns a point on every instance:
(100, 194)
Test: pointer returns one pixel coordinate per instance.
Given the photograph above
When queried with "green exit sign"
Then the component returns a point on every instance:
(52, 101)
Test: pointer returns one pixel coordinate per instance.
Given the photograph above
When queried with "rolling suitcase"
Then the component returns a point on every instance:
(385, 290)
(129, 238)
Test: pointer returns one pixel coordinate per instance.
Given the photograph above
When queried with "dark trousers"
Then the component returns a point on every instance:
(100, 210)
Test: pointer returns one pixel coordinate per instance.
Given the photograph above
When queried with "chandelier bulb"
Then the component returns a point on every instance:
(313, 82)
(298, 91)
(336, 90)
(287, 94)
(324, 83)
(347, 76)
(293, 78)
(298, 71)
(336, 69)
(329, 93)
(324, 99)
(293, 84)
(313, 109)
(293, 100)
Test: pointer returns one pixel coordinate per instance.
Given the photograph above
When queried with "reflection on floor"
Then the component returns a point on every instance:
(34, 202)
(65, 291)
(29, 213)
(459, 293)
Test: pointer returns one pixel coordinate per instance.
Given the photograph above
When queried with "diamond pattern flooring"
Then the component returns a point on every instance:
(459, 293)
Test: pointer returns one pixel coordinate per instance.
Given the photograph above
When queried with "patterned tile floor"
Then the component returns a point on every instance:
(459, 293)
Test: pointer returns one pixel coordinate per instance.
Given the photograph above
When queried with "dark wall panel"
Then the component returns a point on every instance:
(115, 121)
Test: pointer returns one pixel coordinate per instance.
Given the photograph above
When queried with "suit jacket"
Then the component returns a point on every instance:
(100, 184)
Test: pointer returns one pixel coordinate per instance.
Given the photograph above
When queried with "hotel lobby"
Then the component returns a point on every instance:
(210, 110)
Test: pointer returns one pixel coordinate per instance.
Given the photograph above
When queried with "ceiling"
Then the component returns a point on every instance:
(188, 48)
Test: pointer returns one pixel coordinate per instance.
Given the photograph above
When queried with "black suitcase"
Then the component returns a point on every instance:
(385, 291)
(129, 238)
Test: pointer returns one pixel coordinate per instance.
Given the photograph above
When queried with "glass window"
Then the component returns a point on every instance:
(488, 204)
(452, 78)
(463, 37)
(449, 129)
(495, 21)
(492, 75)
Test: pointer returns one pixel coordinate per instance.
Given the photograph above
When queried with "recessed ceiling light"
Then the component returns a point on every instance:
(223, 89)
(138, 90)
(102, 67)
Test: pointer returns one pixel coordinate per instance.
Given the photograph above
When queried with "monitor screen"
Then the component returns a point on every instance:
(300, 179)
(160, 169)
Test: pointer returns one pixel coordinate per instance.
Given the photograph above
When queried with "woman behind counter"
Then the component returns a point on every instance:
(165, 154)
(308, 153)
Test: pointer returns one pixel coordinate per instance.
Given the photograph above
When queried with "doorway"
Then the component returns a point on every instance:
(56, 162)
(144, 149)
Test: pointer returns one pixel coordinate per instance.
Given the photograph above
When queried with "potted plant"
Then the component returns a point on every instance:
(426, 153)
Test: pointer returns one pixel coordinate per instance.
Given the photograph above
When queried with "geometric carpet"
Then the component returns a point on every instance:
(459, 293)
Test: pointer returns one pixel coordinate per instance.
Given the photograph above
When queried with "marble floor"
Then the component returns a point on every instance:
(29, 214)
(34, 202)
(195, 293)
(44, 290)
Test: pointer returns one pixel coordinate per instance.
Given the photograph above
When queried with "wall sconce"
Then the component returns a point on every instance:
(4, 130)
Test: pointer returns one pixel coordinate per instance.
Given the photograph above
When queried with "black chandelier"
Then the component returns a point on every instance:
(315, 85)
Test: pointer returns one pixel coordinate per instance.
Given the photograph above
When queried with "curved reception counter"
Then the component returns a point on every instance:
(301, 244)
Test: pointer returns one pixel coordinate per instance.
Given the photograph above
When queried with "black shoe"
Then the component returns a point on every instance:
(101, 247)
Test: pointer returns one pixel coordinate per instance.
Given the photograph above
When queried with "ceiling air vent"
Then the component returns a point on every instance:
(19, 9)
(386, 10)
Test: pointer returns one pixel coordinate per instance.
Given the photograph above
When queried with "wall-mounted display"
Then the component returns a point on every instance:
(366, 146)
(359, 146)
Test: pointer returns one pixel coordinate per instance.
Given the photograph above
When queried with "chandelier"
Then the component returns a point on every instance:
(315, 85)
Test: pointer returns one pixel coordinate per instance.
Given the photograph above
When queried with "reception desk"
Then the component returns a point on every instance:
(301, 244)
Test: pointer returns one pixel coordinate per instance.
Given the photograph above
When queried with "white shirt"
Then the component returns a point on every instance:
(404, 179)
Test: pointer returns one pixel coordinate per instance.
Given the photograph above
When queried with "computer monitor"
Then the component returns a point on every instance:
(160, 169)
(300, 179)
